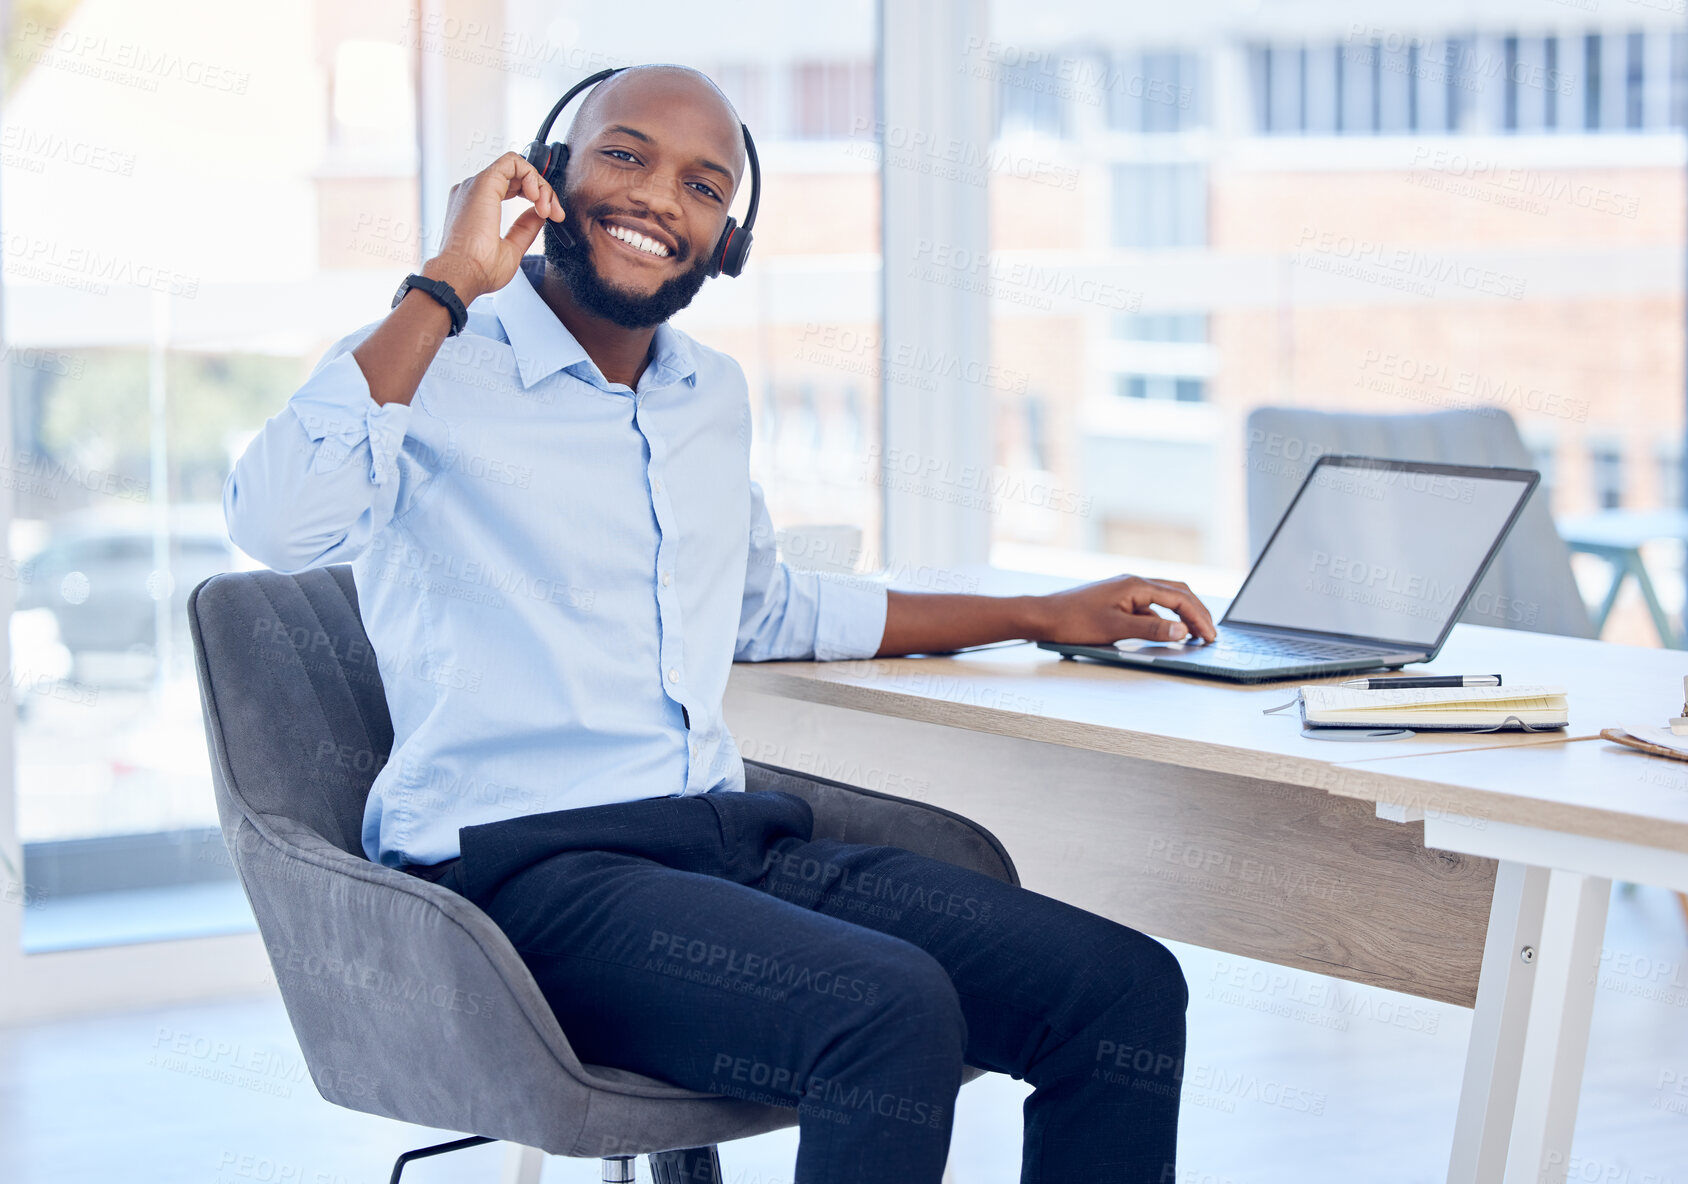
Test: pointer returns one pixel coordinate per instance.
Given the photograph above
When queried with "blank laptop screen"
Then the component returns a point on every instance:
(1378, 553)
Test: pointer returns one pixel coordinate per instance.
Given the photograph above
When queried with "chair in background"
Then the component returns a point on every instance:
(1529, 585)
(407, 1000)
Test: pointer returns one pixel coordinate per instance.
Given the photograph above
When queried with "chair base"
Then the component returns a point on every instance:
(695, 1165)
(436, 1149)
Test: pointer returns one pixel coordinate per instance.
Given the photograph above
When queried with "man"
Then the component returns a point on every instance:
(558, 554)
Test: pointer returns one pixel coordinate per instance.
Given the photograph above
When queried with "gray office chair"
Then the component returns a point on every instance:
(1529, 586)
(408, 1002)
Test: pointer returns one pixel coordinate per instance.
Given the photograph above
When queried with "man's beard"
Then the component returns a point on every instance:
(593, 294)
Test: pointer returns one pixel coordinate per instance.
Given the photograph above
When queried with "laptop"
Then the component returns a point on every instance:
(1368, 570)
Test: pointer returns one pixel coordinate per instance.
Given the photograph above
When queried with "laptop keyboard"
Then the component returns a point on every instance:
(1264, 645)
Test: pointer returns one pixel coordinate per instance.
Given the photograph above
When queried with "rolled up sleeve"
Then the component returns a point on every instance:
(322, 476)
(802, 614)
(339, 417)
(851, 617)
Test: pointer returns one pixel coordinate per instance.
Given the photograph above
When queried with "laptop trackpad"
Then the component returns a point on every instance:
(1141, 649)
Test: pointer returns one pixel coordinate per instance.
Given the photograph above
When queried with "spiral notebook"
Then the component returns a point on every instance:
(1437, 709)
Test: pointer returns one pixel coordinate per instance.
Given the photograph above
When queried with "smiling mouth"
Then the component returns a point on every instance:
(637, 243)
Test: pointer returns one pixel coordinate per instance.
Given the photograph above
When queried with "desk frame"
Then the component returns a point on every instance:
(1529, 1039)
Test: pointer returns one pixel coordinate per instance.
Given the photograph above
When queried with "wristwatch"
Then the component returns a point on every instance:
(441, 291)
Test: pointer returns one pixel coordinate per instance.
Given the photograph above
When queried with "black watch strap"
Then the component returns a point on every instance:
(441, 291)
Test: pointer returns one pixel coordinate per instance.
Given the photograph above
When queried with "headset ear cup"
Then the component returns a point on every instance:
(731, 249)
(550, 161)
(718, 258)
(738, 252)
(553, 171)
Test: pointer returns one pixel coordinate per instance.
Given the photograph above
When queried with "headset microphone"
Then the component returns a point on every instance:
(733, 247)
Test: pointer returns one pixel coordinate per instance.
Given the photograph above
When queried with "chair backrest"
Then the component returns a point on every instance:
(307, 743)
(1529, 585)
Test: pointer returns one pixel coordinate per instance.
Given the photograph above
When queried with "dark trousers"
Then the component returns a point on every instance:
(709, 941)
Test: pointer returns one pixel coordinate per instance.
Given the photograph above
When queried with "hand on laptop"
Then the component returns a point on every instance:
(1108, 610)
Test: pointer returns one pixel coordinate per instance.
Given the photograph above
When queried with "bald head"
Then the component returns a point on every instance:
(661, 93)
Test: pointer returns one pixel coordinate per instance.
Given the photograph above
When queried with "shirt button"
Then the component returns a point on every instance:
(657, 486)
(667, 578)
(673, 674)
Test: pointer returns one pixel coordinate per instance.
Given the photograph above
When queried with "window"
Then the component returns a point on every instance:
(1160, 205)
(834, 99)
(1357, 98)
(747, 85)
(1037, 431)
(1678, 80)
(1167, 326)
(1510, 116)
(1032, 99)
(1606, 466)
(1285, 95)
(1402, 84)
(1669, 459)
(1325, 69)
(1591, 82)
(1153, 93)
(1394, 87)
(1167, 359)
(131, 408)
(1634, 109)
(1162, 386)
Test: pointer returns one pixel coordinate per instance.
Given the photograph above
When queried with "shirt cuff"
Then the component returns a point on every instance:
(337, 413)
(850, 618)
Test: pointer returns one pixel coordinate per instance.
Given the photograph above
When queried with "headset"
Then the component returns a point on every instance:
(731, 251)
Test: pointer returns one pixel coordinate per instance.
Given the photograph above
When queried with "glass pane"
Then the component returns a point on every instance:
(1372, 215)
(180, 183)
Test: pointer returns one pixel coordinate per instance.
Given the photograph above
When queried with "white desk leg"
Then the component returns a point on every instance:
(1495, 1056)
(522, 1165)
(1566, 976)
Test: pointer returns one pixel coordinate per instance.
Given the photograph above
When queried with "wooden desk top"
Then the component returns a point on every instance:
(1590, 787)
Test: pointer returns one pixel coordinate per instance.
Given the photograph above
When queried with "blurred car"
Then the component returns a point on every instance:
(97, 576)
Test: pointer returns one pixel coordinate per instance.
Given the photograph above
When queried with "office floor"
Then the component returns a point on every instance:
(1290, 1077)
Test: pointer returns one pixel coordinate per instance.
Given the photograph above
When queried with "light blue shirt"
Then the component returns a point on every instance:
(556, 572)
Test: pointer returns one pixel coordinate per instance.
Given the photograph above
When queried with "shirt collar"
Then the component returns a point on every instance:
(543, 344)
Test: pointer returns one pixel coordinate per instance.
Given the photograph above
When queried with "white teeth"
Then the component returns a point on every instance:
(635, 239)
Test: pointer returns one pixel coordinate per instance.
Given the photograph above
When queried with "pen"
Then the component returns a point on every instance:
(1412, 681)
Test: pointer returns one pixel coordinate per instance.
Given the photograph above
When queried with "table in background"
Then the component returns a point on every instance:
(1617, 536)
